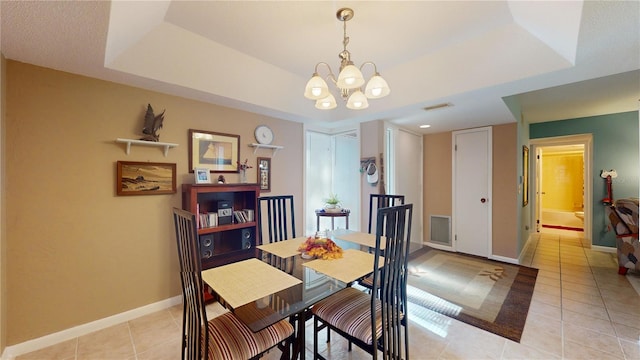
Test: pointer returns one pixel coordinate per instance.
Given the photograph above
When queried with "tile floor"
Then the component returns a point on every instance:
(581, 309)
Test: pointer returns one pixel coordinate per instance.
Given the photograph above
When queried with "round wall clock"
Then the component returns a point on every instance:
(264, 135)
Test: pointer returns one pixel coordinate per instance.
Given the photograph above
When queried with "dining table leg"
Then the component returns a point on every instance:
(299, 349)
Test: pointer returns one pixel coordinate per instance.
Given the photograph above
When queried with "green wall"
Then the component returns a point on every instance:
(616, 146)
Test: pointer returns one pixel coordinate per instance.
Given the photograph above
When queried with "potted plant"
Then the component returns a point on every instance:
(332, 203)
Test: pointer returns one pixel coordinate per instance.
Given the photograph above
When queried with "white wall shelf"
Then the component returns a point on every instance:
(130, 142)
(274, 148)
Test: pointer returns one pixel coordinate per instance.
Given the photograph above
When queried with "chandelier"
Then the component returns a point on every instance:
(349, 81)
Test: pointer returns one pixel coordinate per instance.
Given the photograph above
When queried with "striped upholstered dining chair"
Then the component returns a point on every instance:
(223, 337)
(376, 320)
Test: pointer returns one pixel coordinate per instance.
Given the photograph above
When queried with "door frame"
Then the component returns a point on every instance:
(581, 139)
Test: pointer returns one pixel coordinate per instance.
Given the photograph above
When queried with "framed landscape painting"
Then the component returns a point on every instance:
(145, 178)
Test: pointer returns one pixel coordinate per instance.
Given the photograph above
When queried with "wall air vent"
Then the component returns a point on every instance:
(440, 227)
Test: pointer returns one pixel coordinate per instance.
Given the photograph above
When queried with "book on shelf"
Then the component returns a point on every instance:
(213, 219)
(208, 219)
(203, 220)
(249, 214)
(239, 215)
(198, 226)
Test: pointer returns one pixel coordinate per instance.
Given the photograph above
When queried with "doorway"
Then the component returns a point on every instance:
(332, 167)
(404, 173)
(562, 175)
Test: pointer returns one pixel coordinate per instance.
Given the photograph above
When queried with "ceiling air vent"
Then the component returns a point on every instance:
(438, 106)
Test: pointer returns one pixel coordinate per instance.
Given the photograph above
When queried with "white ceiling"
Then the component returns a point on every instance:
(548, 60)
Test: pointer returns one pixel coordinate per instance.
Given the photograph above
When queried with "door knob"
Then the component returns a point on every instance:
(483, 200)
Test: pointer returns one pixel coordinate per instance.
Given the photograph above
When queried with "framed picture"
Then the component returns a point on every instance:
(264, 174)
(203, 176)
(525, 175)
(216, 152)
(145, 178)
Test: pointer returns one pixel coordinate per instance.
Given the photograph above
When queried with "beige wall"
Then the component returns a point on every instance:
(76, 252)
(437, 178)
(438, 191)
(371, 145)
(506, 156)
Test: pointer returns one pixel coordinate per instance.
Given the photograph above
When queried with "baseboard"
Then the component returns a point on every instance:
(525, 248)
(504, 259)
(604, 248)
(492, 257)
(10, 352)
(439, 246)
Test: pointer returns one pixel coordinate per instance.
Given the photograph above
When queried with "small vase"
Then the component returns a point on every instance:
(243, 176)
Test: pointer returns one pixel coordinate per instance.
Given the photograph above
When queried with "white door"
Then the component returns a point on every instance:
(472, 191)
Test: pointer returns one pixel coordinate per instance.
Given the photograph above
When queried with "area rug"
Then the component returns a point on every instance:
(490, 295)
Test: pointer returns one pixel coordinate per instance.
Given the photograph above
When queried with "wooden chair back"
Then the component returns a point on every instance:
(276, 214)
(390, 282)
(194, 317)
(378, 201)
(276, 222)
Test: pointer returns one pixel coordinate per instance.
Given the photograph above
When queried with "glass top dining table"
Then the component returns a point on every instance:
(261, 295)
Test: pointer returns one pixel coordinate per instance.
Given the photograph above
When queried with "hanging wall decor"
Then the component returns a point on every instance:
(264, 174)
(525, 175)
(214, 151)
(145, 178)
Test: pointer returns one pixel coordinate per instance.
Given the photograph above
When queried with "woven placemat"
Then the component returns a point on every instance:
(246, 281)
(353, 265)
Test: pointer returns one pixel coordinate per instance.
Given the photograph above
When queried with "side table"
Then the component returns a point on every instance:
(343, 213)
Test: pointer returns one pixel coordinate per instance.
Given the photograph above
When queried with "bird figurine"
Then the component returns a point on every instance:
(152, 124)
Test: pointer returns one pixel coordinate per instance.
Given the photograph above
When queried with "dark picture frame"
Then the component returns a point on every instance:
(145, 178)
(525, 175)
(264, 174)
(217, 152)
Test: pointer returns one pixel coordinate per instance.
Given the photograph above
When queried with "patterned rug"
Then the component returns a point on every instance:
(490, 295)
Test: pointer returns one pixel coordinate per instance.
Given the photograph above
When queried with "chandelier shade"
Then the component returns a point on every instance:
(377, 87)
(350, 79)
(316, 88)
(326, 103)
(357, 101)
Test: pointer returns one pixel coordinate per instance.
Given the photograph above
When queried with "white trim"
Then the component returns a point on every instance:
(504, 259)
(606, 249)
(587, 141)
(523, 252)
(439, 246)
(10, 352)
